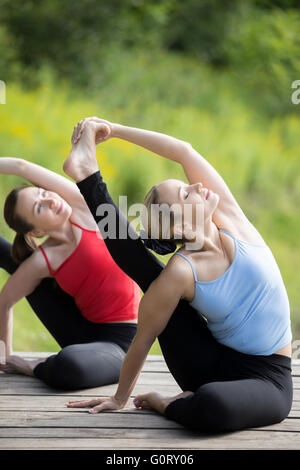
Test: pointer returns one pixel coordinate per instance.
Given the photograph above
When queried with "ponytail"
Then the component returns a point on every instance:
(23, 245)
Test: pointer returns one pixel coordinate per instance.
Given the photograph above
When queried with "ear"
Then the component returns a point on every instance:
(36, 233)
(184, 231)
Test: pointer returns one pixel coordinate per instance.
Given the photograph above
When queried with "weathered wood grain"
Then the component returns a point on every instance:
(34, 416)
(243, 440)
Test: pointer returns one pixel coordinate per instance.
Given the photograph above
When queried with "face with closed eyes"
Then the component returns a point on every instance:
(45, 210)
(195, 195)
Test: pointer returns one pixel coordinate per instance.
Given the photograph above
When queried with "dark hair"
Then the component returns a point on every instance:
(23, 245)
(162, 247)
(159, 245)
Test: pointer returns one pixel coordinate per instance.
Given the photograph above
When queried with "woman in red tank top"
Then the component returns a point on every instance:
(87, 303)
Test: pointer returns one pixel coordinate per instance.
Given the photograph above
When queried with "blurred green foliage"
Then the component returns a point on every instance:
(83, 41)
(215, 73)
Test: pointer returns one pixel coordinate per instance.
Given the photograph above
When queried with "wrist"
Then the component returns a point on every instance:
(120, 400)
(116, 130)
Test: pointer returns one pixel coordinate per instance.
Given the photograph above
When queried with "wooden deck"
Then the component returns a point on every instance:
(34, 416)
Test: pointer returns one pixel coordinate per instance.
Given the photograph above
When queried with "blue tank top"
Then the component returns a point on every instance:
(247, 307)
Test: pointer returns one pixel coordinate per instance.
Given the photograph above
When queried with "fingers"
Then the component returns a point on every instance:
(83, 403)
(102, 407)
(103, 129)
(78, 129)
(96, 404)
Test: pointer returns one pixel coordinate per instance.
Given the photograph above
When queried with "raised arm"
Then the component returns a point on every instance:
(43, 178)
(196, 167)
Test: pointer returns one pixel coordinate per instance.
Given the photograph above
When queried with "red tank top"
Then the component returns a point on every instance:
(102, 291)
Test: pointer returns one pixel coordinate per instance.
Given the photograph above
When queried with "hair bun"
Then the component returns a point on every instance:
(162, 247)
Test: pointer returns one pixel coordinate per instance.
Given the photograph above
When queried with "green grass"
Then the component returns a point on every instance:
(257, 155)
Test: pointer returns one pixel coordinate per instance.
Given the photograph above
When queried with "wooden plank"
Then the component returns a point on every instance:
(107, 390)
(48, 403)
(146, 433)
(133, 418)
(296, 395)
(296, 383)
(144, 378)
(119, 419)
(58, 403)
(87, 433)
(105, 429)
(246, 440)
(113, 433)
(17, 384)
(35, 416)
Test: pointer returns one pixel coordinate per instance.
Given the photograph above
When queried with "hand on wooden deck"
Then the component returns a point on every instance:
(97, 404)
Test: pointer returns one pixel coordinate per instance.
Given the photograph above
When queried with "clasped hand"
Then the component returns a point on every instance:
(101, 128)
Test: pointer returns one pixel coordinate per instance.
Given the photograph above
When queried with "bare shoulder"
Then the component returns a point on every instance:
(233, 219)
(174, 276)
(179, 272)
(82, 216)
(36, 265)
(25, 279)
(177, 268)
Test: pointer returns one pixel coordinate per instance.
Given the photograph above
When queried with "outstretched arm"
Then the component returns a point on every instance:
(156, 308)
(42, 177)
(196, 167)
(22, 283)
(125, 247)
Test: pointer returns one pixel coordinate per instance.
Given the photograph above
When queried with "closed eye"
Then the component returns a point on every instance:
(40, 205)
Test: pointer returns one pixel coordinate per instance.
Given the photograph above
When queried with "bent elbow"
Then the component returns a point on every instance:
(5, 304)
(186, 146)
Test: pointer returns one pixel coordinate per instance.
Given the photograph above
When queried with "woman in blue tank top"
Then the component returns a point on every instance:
(219, 307)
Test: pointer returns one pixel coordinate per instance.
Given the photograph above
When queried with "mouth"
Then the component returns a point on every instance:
(59, 208)
(207, 194)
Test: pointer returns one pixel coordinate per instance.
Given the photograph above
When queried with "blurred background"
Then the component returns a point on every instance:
(216, 73)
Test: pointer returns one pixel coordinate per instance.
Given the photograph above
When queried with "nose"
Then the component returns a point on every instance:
(198, 187)
(50, 201)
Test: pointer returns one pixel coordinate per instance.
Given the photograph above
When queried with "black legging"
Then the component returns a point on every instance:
(232, 390)
(92, 353)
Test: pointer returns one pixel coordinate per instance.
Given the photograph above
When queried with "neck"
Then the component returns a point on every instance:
(210, 238)
(62, 235)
